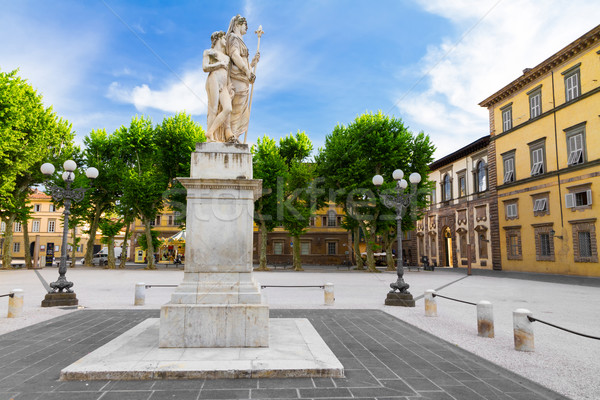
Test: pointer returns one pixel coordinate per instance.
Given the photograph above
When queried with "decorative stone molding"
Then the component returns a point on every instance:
(254, 185)
(481, 228)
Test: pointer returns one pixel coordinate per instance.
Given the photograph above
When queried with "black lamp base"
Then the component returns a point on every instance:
(400, 299)
(60, 299)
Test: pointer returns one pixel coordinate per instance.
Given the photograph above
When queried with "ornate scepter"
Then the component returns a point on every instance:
(259, 32)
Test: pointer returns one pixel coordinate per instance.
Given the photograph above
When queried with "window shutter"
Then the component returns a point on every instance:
(570, 200)
(589, 197)
(579, 141)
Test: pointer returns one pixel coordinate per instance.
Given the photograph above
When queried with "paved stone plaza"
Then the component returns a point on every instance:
(383, 357)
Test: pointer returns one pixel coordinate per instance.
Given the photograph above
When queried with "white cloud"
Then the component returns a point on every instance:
(185, 94)
(494, 50)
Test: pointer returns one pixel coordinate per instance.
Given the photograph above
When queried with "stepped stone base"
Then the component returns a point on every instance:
(60, 300)
(295, 351)
(400, 299)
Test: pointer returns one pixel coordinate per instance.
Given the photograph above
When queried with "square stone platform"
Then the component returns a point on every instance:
(295, 350)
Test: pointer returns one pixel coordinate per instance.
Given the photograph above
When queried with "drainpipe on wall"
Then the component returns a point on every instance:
(556, 153)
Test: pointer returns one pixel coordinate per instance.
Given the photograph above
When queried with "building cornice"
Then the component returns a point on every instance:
(473, 147)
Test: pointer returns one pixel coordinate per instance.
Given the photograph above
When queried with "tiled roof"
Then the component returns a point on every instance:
(39, 195)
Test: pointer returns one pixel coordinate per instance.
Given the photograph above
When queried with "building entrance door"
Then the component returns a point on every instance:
(448, 247)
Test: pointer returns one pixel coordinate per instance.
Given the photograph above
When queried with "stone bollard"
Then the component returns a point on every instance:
(15, 304)
(523, 330)
(328, 292)
(485, 319)
(430, 304)
(140, 294)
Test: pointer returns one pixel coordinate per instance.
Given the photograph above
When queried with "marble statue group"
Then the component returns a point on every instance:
(230, 75)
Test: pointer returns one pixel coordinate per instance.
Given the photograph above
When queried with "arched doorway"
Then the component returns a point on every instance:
(448, 247)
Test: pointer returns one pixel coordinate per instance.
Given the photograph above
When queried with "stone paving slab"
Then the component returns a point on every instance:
(383, 357)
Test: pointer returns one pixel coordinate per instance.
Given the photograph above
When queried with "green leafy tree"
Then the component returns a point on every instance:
(269, 166)
(143, 181)
(300, 201)
(154, 157)
(101, 152)
(30, 134)
(371, 144)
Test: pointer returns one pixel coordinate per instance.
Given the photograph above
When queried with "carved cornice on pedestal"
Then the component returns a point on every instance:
(254, 185)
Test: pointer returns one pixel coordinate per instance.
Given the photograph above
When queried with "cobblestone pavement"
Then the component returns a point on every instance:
(383, 357)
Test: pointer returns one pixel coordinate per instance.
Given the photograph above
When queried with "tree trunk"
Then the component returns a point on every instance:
(26, 244)
(360, 264)
(262, 264)
(89, 251)
(389, 255)
(111, 253)
(124, 248)
(74, 244)
(7, 244)
(370, 239)
(150, 247)
(296, 254)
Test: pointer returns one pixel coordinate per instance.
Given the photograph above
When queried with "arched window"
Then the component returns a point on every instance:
(481, 176)
(447, 192)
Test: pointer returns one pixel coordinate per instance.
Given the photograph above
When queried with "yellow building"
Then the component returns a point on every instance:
(45, 231)
(545, 128)
(325, 242)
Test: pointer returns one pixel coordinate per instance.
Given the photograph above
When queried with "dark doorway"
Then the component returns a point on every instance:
(448, 247)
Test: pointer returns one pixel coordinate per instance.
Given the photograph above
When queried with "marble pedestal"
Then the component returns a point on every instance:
(218, 304)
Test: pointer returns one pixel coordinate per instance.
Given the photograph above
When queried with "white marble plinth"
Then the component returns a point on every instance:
(296, 350)
(214, 325)
(218, 303)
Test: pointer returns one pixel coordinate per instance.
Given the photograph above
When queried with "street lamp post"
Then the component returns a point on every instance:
(400, 202)
(62, 294)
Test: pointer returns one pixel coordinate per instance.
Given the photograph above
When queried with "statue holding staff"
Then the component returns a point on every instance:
(216, 63)
(240, 75)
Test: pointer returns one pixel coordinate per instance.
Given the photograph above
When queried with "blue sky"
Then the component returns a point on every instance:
(429, 62)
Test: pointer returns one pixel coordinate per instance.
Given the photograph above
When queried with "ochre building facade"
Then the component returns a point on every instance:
(545, 127)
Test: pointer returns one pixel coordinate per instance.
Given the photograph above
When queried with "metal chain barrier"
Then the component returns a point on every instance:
(532, 319)
(450, 298)
(151, 286)
(292, 286)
